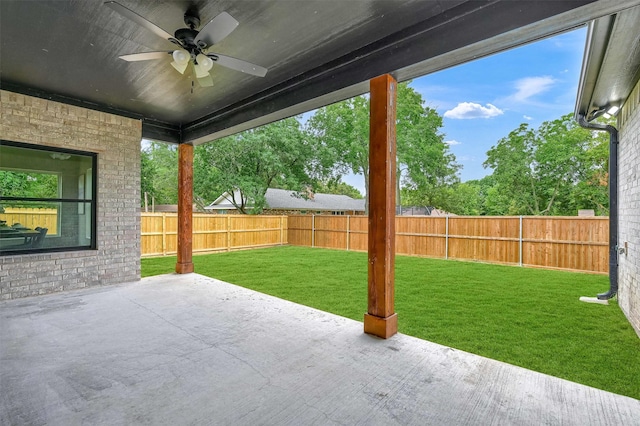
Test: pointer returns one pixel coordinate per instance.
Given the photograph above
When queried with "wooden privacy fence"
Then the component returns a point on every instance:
(211, 232)
(32, 218)
(572, 243)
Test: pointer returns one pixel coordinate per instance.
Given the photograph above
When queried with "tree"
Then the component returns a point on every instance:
(553, 170)
(276, 155)
(336, 186)
(29, 185)
(466, 199)
(207, 182)
(472, 198)
(342, 129)
(148, 172)
(159, 172)
(430, 168)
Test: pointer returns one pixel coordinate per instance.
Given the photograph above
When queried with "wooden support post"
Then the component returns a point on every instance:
(185, 209)
(381, 319)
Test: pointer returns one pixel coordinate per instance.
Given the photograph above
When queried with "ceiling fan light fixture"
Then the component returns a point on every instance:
(59, 156)
(200, 71)
(203, 65)
(180, 60)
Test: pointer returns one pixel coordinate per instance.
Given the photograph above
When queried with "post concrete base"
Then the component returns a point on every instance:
(381, 327)
(184, 268)
(593, 300)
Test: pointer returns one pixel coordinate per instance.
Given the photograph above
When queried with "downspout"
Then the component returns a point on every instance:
(613, 203)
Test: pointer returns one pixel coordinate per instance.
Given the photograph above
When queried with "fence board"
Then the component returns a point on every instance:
(299, 230)
(421, 236)
(32, 218)
(573, 243)
(331, 231)
(580, 243)
(211, 232)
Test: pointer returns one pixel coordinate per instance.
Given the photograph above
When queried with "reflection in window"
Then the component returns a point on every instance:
(47, 199)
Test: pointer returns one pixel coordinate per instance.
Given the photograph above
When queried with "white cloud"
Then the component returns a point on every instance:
(526, 117)
(467, 159)
(469, 110)
(453, 142)
(531, 86)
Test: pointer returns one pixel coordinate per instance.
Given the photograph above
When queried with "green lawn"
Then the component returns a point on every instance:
(527, 317)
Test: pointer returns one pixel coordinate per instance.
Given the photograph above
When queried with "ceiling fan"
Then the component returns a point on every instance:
(192, 44)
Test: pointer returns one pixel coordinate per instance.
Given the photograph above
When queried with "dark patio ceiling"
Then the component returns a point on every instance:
(317, 52)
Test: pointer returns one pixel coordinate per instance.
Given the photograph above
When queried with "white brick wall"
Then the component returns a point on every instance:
(117, 142)
(629, 203)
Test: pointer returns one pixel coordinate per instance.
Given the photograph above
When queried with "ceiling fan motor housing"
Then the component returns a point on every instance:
(187, 38)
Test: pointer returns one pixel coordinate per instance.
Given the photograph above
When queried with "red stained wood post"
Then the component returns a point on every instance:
(185, 209)
(381, 319)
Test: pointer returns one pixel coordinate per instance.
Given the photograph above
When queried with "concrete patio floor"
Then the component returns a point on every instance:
(186, 349)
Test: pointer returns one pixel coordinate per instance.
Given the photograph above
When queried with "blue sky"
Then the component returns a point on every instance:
(482, 101)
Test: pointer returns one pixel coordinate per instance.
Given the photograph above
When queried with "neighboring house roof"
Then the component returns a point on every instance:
(421, 211)
(281, 199)
(437, 212)
(167, 208)
(223, 202)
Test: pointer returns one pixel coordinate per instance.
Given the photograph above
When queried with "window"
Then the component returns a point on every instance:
(47, 199)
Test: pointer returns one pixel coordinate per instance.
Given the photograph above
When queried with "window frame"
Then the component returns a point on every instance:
(93, 201)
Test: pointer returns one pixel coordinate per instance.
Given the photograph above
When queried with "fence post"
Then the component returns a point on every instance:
(313, 229)
(520, 244)
(348, 232)
(228, 233)
(281, 226)
(164, 234)
(446, 237)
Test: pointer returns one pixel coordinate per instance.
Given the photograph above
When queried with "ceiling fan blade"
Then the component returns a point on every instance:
(238, 64)
(130, 14)
(145, 56)
(205, 81)
(216, 29)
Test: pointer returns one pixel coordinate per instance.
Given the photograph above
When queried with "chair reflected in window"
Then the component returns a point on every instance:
(38, 240)
(32, 242)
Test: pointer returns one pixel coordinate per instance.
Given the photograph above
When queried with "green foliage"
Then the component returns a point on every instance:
(556, 169)
(159, 173)
(341, 131)
(28, 185)
(553, 170)
(276, 155)
(336, 186)
(430, 169)
(528, 317)
(206, 179)
(148, 172)
(426, 167)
